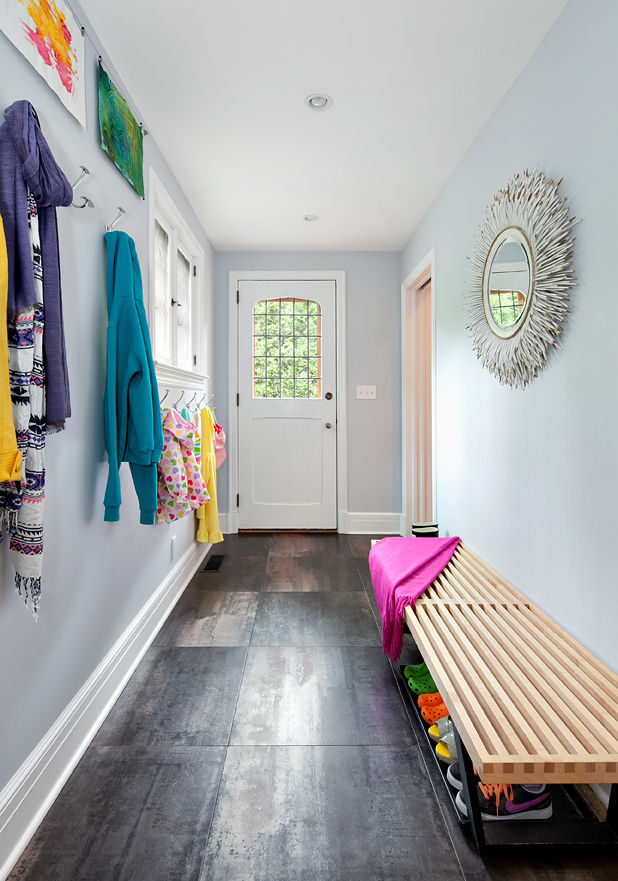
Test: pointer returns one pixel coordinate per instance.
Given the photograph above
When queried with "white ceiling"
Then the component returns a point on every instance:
(221, 86)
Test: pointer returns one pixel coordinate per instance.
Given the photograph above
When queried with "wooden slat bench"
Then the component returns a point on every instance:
(529, 702)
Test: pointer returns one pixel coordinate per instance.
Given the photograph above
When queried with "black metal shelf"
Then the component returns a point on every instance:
(573, 824)
(442, 766)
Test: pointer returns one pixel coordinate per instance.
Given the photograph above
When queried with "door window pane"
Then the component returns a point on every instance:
(289, 333)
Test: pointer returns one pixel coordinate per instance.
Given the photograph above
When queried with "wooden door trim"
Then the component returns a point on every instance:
(422, 273)
(339, 277)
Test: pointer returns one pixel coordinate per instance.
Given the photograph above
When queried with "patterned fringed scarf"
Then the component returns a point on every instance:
(22, 504)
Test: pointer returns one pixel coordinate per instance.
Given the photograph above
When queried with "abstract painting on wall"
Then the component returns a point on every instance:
(47, 34)
(121, 135)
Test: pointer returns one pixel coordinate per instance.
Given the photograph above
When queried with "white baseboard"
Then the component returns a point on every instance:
(354, 522)
(228, 523)
(31, 791)
(363, 523)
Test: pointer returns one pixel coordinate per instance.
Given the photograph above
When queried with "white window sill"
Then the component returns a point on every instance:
(175, 377)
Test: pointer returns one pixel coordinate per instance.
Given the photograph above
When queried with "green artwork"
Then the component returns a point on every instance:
(121, 136)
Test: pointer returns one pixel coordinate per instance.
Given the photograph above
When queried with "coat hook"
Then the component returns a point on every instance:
(167, 391)
(86, 203)
(111, 225)
(180, 397)
(84, 173)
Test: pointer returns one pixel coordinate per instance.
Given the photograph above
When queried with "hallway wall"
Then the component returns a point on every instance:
(530, 478)
(97, 575)
(373, 358)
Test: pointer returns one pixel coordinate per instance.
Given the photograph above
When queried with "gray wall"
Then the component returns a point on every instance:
(373, 358)
(96, 575)
(530, 478)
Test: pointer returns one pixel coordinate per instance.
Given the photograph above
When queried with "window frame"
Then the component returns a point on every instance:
(163, 209)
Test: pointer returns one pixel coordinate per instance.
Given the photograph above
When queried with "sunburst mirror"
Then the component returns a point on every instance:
(522, 272)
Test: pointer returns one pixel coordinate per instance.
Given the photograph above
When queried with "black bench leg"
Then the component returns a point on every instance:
(469, 790)
(612, 809)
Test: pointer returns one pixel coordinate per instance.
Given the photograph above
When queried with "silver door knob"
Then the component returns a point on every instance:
(329, 425)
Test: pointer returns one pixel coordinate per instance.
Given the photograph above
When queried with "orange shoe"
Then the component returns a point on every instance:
(432, 714)
(430, 700)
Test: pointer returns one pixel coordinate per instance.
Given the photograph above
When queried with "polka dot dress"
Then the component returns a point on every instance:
(180, 485)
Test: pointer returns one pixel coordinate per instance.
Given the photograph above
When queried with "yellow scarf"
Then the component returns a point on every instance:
(208, 515)
(10, 458)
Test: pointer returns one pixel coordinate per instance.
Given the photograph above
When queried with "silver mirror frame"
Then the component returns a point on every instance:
(531, 204)
(511, 232)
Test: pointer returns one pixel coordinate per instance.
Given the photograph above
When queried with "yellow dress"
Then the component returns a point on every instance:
(10, 457)
(208, 515)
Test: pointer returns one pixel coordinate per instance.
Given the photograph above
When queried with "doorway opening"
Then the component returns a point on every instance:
(418, 397)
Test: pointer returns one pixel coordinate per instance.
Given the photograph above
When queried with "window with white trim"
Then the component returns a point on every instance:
(176, 293)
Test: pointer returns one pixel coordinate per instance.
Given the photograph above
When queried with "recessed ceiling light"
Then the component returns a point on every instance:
(310, 217)
(319, 102)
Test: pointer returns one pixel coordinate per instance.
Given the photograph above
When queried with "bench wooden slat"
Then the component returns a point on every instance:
(605, 680)
(477, 680)
(518, 691)
(567, 715)
(565, 686)
(467, 715)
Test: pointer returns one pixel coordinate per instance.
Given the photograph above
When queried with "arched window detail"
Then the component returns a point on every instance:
(287, 349)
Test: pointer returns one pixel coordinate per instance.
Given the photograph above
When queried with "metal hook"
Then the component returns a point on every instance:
(180, 397)
(111, 225)
(192, 399)
(87, 203)
(84, 173)
(201, 399)
(167, 391)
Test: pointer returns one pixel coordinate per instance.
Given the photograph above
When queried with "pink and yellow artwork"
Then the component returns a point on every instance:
(47, 34)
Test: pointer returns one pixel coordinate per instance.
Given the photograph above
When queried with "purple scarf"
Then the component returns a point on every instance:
(27, 162)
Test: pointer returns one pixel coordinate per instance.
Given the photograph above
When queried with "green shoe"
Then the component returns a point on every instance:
(422, 684)
(415, 670)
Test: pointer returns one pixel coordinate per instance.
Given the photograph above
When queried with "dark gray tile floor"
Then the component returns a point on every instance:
(263, 738)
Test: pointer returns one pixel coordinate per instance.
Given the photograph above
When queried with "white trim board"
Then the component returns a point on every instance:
(31, 791)
(339, 277)
(429, 260)
(373, 523)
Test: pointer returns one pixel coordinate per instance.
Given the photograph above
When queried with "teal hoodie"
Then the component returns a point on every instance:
(133, 429)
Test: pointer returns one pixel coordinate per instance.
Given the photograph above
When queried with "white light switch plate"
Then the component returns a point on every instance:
(365, 392)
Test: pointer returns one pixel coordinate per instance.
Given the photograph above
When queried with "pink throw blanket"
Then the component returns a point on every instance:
(401, 570)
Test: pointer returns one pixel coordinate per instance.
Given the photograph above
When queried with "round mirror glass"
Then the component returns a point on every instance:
(507, 282)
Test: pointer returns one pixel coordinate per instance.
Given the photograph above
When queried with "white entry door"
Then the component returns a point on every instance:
(287, 407)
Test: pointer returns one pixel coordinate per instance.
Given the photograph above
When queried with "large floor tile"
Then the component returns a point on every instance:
(296, 543)
(128, 814)
(208, 617)
(324, 695)
(245, 572)
(235, 545)
(334, 813)
(314, 618)
(360, 545)
(312, 571)
(183, 696)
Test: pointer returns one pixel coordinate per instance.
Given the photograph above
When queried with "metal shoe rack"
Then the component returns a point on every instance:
(573, 825)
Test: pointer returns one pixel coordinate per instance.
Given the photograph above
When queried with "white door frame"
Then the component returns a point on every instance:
(338, 276)
(408, 291)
